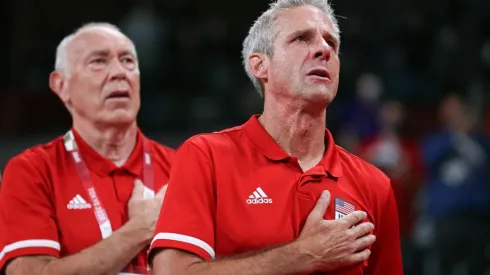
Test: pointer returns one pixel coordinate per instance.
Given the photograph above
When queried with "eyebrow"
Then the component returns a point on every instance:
(105, 53)
(309, 31)
(298, 33)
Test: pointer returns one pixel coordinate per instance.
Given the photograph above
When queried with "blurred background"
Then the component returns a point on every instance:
(413, 97)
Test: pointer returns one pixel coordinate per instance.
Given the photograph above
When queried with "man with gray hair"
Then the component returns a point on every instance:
(276, 195)
(85, 203)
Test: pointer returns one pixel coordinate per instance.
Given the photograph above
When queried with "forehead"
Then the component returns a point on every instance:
(99, 39)
(303, 17)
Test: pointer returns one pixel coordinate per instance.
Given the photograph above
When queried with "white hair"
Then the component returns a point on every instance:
(261, 35)
(61, 63)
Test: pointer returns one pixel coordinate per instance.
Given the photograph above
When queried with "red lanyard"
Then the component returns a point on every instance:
(84, 174)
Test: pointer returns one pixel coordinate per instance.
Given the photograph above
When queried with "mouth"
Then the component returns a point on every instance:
(118, 95)
(320, 73)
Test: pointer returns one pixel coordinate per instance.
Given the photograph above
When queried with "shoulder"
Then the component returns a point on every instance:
(361, 167)
(33, 168)
(162, 156)
(370, 179)
(161, 150)
(219, 141)
(38, 157)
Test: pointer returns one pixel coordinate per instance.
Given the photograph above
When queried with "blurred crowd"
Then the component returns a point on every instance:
(440, 176)
(192, 76)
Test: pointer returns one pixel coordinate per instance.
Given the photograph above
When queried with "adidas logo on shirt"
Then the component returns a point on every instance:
(78, 203)
(258, 197)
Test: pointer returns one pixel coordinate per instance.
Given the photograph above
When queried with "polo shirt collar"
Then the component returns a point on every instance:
(268, 147)
(103, 166)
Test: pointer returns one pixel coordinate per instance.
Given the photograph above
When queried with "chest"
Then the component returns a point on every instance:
(77, 225)
(266, 204)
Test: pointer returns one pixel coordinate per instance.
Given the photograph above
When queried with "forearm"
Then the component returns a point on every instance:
(281, 260)
(285, 259)
(109, 256)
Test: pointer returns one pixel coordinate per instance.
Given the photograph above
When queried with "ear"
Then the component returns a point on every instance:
(258, 64)
(57, 84)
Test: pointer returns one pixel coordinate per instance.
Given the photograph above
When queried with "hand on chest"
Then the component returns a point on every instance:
(76, 207)
(268, 207)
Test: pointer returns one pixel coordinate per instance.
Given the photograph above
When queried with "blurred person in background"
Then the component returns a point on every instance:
(362, 115)
(87, 202)
(276, 195)
(399, 157)
(457, 160)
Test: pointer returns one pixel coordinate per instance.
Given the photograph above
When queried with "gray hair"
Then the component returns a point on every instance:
(262, 33)
(61, 63)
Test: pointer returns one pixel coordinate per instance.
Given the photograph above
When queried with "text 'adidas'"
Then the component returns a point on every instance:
(78, 203)
(259, 197)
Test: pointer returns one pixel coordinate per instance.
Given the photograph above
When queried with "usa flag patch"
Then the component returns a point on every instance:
(343, 208)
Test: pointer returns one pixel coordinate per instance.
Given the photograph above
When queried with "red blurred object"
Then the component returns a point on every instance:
(405, 172)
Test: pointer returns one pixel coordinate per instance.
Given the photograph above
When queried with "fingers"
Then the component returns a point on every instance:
(138, 189)
(363, 242)
(354, 218)
(321, 206)
(161, 192)
(355, 258)
(362, 229)
(142, 192)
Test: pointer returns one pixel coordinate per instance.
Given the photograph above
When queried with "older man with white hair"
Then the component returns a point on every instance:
(276, 195)
(85, 203)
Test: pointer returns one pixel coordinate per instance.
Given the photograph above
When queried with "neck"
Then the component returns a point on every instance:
(116, 143)
(299, 132)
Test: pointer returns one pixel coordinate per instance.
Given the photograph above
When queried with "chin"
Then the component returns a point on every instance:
(319, 96)
(121, 117)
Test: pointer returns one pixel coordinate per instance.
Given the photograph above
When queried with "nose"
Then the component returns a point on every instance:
(117, 70)
(322, 49)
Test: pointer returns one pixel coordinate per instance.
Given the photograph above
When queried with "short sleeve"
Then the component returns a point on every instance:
(385, 255)
(26, 212)
(187, 217)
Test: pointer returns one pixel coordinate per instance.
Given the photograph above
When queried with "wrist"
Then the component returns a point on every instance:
(133, 230)
(304, 260)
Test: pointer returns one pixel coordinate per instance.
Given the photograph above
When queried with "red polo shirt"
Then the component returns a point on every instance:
(45, 208)
(237, 191)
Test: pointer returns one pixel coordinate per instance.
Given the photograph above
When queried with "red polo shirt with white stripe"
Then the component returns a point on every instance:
(237, 191)
(45, 209)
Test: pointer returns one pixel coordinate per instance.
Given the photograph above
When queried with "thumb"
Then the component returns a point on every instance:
(138, 189)
(161, 192)
(321, 206)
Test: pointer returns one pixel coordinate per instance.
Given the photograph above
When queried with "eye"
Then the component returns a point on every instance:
(332, 44)
(300, 38)
(98, 60)
(127, 60)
